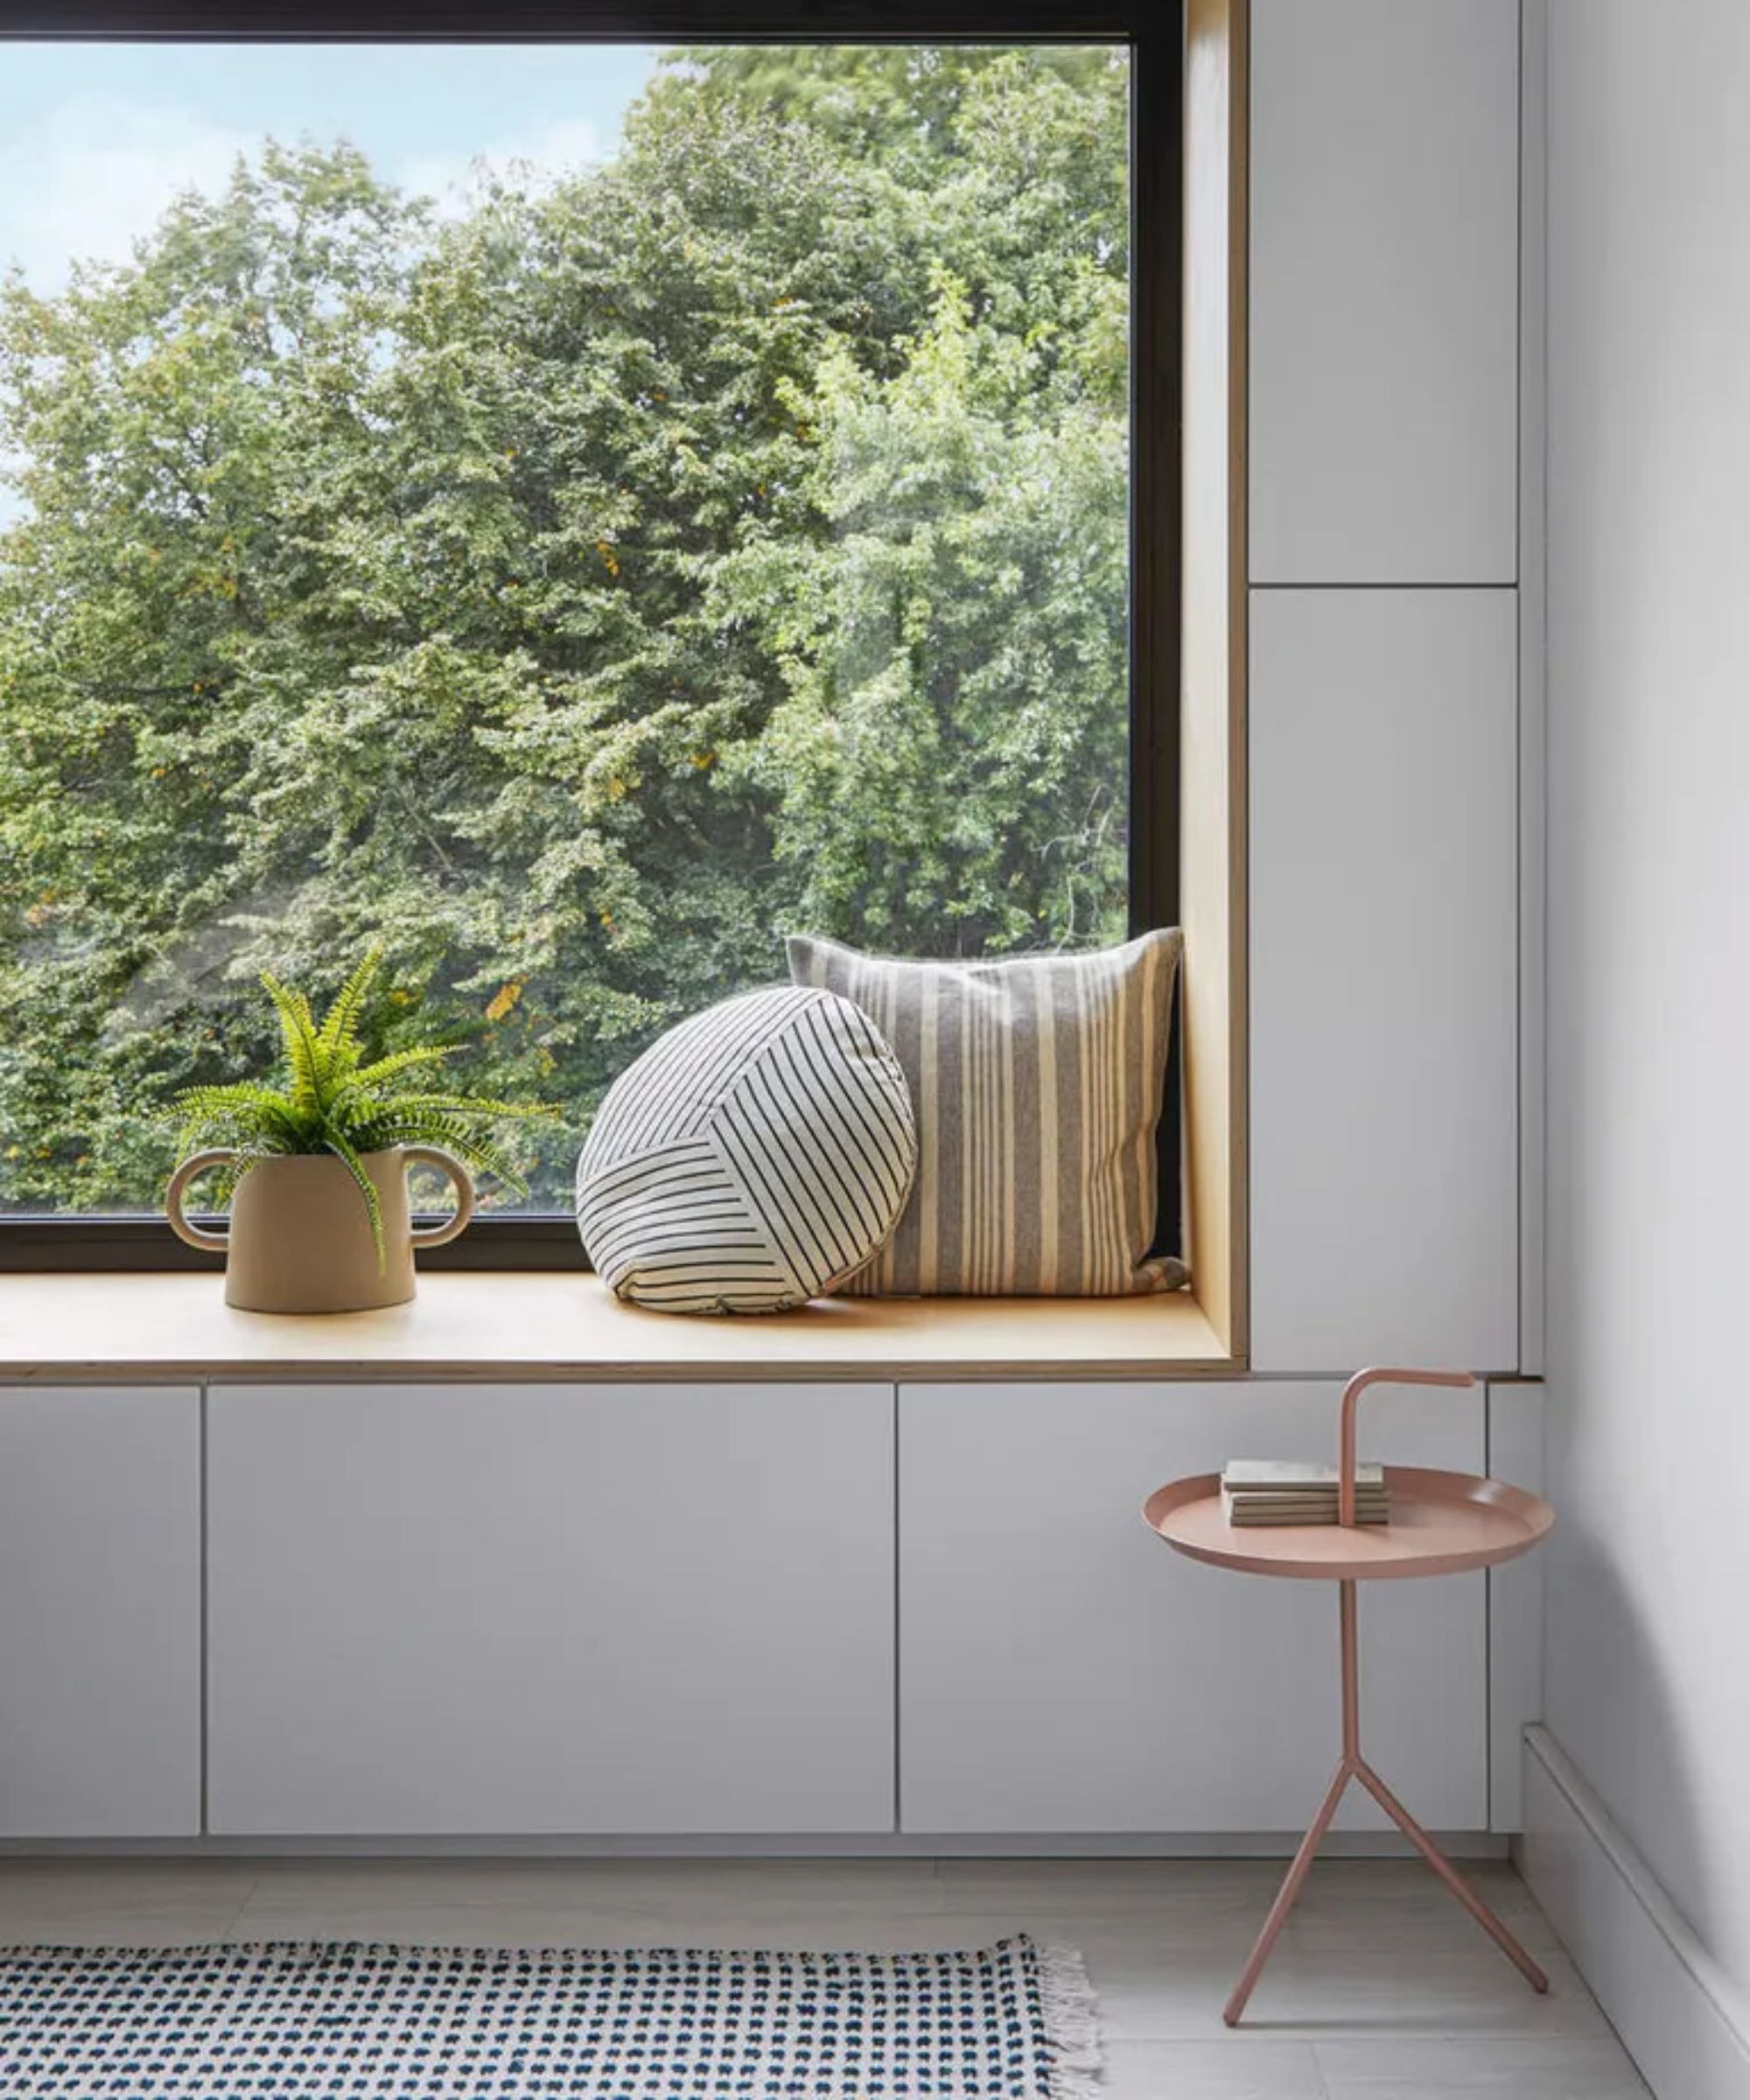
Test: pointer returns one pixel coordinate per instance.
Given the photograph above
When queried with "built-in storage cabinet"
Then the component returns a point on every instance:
(1382, 459)
(1384, 291)
(668, 1609)
(1384, 979)
(1062, 1670)
(550, 1608)
(99, 1612)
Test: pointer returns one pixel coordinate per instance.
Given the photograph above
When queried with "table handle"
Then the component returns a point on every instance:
(1381, 1374)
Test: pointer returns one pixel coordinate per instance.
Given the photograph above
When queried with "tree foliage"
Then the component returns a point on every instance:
(571, 597)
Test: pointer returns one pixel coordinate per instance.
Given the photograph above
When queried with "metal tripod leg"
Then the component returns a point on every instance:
(1353, 1766)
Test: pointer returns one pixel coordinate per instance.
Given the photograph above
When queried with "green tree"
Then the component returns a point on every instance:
(572, 598)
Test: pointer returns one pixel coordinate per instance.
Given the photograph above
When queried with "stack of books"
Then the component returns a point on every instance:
(1296, 1491)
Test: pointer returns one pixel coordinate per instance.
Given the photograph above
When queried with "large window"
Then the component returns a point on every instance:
(570, 513)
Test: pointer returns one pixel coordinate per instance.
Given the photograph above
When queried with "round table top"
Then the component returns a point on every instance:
(1442, 1523)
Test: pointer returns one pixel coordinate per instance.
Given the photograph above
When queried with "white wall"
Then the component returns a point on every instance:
(1649, 488)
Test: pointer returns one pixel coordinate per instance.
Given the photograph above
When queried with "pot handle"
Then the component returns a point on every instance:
(197, 1163)
(429, 1155)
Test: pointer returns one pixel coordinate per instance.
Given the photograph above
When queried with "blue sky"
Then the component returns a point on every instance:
(95, 138)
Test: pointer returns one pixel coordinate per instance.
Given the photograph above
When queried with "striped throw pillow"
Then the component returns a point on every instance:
(1037, 1085)
(753, 1158)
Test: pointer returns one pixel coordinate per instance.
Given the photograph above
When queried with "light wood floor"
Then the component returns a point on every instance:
(1381, 1988)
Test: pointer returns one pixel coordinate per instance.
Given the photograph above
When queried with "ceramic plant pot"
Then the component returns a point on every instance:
(300, 1237)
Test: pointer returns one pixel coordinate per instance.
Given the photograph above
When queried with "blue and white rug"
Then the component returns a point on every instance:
(1015, 2021)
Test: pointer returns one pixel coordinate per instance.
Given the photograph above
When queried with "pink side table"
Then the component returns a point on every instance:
(1442, 1523)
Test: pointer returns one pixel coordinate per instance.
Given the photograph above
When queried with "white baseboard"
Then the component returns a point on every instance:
(1684, 2021)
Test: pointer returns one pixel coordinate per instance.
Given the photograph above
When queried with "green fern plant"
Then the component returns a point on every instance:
(333, 1100)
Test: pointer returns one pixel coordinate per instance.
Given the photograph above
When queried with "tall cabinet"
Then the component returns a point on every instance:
(1384, 716)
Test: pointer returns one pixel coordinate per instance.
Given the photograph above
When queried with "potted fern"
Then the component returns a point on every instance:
(316, 1168)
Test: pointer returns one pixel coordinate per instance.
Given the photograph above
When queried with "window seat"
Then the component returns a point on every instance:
(474, 1326)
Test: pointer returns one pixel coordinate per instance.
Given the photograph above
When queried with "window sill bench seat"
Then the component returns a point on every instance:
(531, 1326)
(516, 1567)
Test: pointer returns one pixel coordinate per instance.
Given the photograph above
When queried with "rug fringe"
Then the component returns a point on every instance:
(1072, 2023)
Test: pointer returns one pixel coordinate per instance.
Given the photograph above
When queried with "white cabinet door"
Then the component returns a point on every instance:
(1384, 979)
(99, 1612)
(550, 1608)
(1064, 1670)
(1384, 290)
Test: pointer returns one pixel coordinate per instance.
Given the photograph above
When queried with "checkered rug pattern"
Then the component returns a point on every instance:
(1014, 2021)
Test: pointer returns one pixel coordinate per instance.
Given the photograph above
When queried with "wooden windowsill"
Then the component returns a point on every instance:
(509, 1324)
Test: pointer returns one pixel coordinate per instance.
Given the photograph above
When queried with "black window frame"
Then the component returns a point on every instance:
(1156, 37)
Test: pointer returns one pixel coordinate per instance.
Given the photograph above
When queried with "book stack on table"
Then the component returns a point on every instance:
(1296, 1491)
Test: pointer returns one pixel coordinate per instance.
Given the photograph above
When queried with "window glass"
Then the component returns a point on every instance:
(571, 513)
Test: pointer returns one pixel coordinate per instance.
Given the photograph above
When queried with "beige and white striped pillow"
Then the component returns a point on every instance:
(1036, 1084)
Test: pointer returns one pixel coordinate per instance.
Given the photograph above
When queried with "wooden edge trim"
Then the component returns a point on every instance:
(1213, 797)
(509, 1325)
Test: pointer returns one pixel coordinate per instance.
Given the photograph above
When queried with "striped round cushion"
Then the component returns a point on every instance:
(753, 1158)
